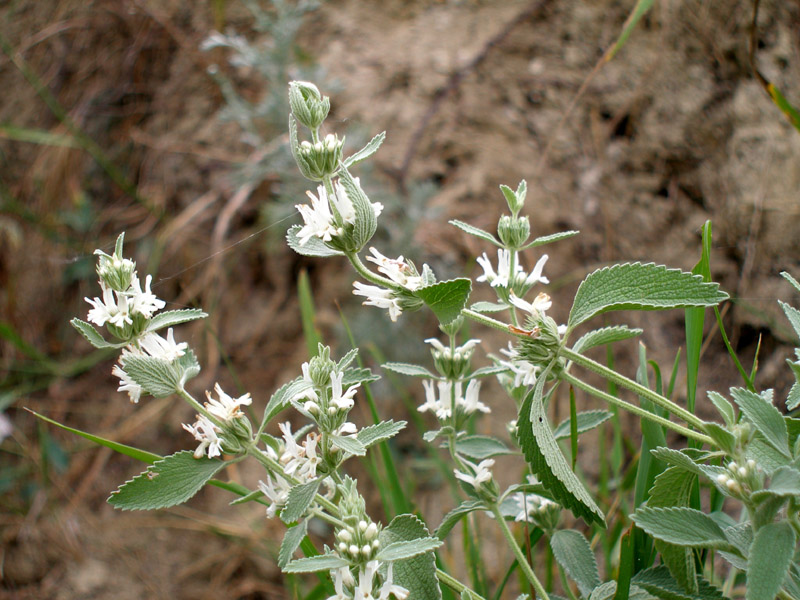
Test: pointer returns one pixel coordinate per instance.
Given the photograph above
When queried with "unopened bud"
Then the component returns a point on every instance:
(308, 105)
(514, 231)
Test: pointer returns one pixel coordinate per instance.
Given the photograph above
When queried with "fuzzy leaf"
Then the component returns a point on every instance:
(313, 246)
(785, 482)
(366, 222)
(587, 420)
(312, 564)
(404, 549)
(93, 336)
(606, 335)
(291, 541)
(681, 526)
(447, 298)
(349, 444)
(479, 233)
(409, 369)
(174, 317)
(282, 396)
(790, 279)
(659, 582)
(454, 516)
(793, 398)
(372, 434)
(354, 376)
(367, 151)
(486, 371)
(574, 554)
(156, 376)
(724, 407)
(764, 417)
(481, 446)
(640, 286)
(546, 461)
(549, 239)
(608, 590)
(488, 307)
(765, 454)
(167, 482)
(793, 315)
(300, 498)
(417, 574)
(769, 560)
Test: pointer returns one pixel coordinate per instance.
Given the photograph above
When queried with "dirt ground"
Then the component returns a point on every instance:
(110, 121)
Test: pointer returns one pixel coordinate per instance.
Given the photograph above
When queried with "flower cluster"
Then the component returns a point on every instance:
(451, 394)
(741, 479)
(367, 588)
(510, 277)
(223, 423)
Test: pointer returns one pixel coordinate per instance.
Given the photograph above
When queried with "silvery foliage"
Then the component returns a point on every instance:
(751, 457)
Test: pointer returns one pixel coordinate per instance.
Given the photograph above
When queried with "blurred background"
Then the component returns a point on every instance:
(167, 120)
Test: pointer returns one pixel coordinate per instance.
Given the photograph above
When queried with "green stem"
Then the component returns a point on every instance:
(642, 391)
(455, 585)
(199, 407)
(484, 320)
(362, 270)
(522, 561)
(637, 410)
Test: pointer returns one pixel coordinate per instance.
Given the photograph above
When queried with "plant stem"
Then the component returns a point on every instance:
(484, 320)
(199, 407)
(362, 270)
(637, 410)
(455, 585)
(522, 561)
(642, 391)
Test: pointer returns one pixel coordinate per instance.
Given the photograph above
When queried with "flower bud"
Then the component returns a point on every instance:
(514, 231)
(320, 159)
(308, 105)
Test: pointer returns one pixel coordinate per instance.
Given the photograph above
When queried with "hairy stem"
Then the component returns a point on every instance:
(522, 561)
(455, 585)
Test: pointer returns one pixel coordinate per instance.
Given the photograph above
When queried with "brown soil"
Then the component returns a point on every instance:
(672, 132)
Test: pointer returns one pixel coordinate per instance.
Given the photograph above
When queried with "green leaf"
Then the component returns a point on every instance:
(724, 407)
(248, 497)
(642, 6)
(409, 369)
(606, 335)
(659, 582)
(312, 564)
(291, 541)
(447, 298)
(167, 482)
(156, 376)
(546, 461)
(365, 220)
(785, 482)
(93, 336)
(488, 307)
(586, 421)
(792, 280)
(793, 315)
(372, 434)
(417, 574)
(681, 526)
(135, 453)
(300, 498)
(765, 418)
(281, 397)
(608, 590)
(793, 398)
(549, 239)
(313, 247)
(174, 317)
(479, 233)
(454, 516)
(354, 376)
(349, 444)
(367, 151)
(765, 454)
(673, 487)
(481, 446)
(769, 560)
(487, 371)
(574, 554)
(724, 438)
(404, 549)
(640, 286)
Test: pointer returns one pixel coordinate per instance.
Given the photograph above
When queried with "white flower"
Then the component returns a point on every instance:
(144, 302)
(366, 576)
(226, 408)
(380, 297)
(481, 473)
(536, 308)
(501, 278)
(341, 401)
(317, 218)
(277, 491)
(525, 373)
(165, 349)
(397, 270)
(388, 588)
(113, 308)
(470, 402)
(205, 432)
(126, 384)
(441, 406)
(536, 275)
(341, 578)
(299, 460)
(344, 206)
